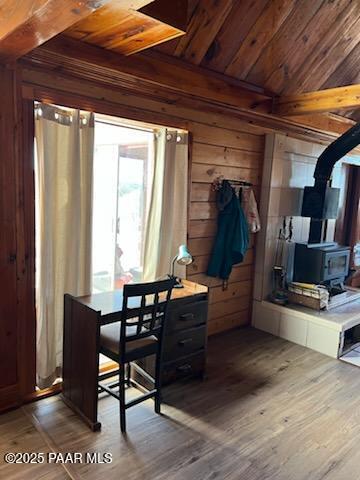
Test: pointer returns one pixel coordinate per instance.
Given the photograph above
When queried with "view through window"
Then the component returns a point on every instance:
(123, 163)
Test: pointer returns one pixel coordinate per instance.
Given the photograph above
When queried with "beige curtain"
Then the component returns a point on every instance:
(166, 227)
(64, 146)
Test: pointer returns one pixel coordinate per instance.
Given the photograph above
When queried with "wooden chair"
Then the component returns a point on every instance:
(139, 334)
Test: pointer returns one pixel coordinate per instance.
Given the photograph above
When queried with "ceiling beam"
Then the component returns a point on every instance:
(151, 71)
(329, 100)
(26, 24)
(57, 69)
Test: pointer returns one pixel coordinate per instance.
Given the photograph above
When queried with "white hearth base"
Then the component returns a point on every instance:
(321, 331)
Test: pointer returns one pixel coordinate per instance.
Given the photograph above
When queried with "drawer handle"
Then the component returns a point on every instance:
(184, 342)
(186, 316)
(186, 368)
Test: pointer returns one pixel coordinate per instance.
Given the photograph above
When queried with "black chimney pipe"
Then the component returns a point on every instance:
(320, 202)
(336, 150)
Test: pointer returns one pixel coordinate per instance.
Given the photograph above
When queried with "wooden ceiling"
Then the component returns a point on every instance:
(281, 48)
(284, 46)
(127, 31)
(125, 26)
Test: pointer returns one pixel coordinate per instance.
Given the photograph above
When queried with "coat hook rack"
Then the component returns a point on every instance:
(217, 182)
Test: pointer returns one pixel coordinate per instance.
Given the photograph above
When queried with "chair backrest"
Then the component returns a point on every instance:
(144, 307)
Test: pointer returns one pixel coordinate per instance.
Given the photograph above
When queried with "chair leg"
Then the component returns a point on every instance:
(158, 383)
(128, 375)
(122, 397)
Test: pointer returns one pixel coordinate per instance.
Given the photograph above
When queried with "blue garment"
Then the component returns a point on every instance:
(232, 238)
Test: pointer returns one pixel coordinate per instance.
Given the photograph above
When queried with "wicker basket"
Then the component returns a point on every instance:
(316, 298)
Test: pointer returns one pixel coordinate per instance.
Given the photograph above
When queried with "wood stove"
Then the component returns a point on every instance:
(317, 261)
(324, 263)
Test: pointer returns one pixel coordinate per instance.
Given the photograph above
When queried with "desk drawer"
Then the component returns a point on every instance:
(193, 365)
(187, 316)
(184, 342)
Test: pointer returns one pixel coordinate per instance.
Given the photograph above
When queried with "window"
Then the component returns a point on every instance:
(108, 212)
(123, 163)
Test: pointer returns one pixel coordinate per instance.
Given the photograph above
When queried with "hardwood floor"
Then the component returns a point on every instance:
(269, 409)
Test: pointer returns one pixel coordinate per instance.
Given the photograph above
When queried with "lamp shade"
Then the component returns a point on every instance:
(184, 257)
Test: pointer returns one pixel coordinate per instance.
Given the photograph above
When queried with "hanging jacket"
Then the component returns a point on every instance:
(232, 238)
(250, 208)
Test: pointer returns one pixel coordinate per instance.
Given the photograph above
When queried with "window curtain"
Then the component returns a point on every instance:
(64, 156)
(166, 226)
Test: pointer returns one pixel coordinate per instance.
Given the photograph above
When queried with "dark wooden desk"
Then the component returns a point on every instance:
(184, 344)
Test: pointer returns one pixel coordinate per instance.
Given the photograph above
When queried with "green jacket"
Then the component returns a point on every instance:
(232, 238)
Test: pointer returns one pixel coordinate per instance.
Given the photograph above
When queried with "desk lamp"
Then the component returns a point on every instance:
(182, 258)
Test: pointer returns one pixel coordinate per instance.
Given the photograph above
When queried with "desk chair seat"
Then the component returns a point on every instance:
(138, 334)
(110, 340)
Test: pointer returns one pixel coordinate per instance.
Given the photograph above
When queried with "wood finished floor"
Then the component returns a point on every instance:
(270, 409)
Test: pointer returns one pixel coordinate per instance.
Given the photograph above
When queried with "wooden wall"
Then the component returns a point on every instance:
(221, 145)
(236, 155)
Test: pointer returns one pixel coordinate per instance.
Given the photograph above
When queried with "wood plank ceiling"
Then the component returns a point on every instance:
(127, 31)
(284, 46)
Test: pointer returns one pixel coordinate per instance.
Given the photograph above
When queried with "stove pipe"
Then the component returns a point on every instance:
(320, 202)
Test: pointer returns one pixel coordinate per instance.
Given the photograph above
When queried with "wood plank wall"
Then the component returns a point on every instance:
(236, 155)
(221, 145)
